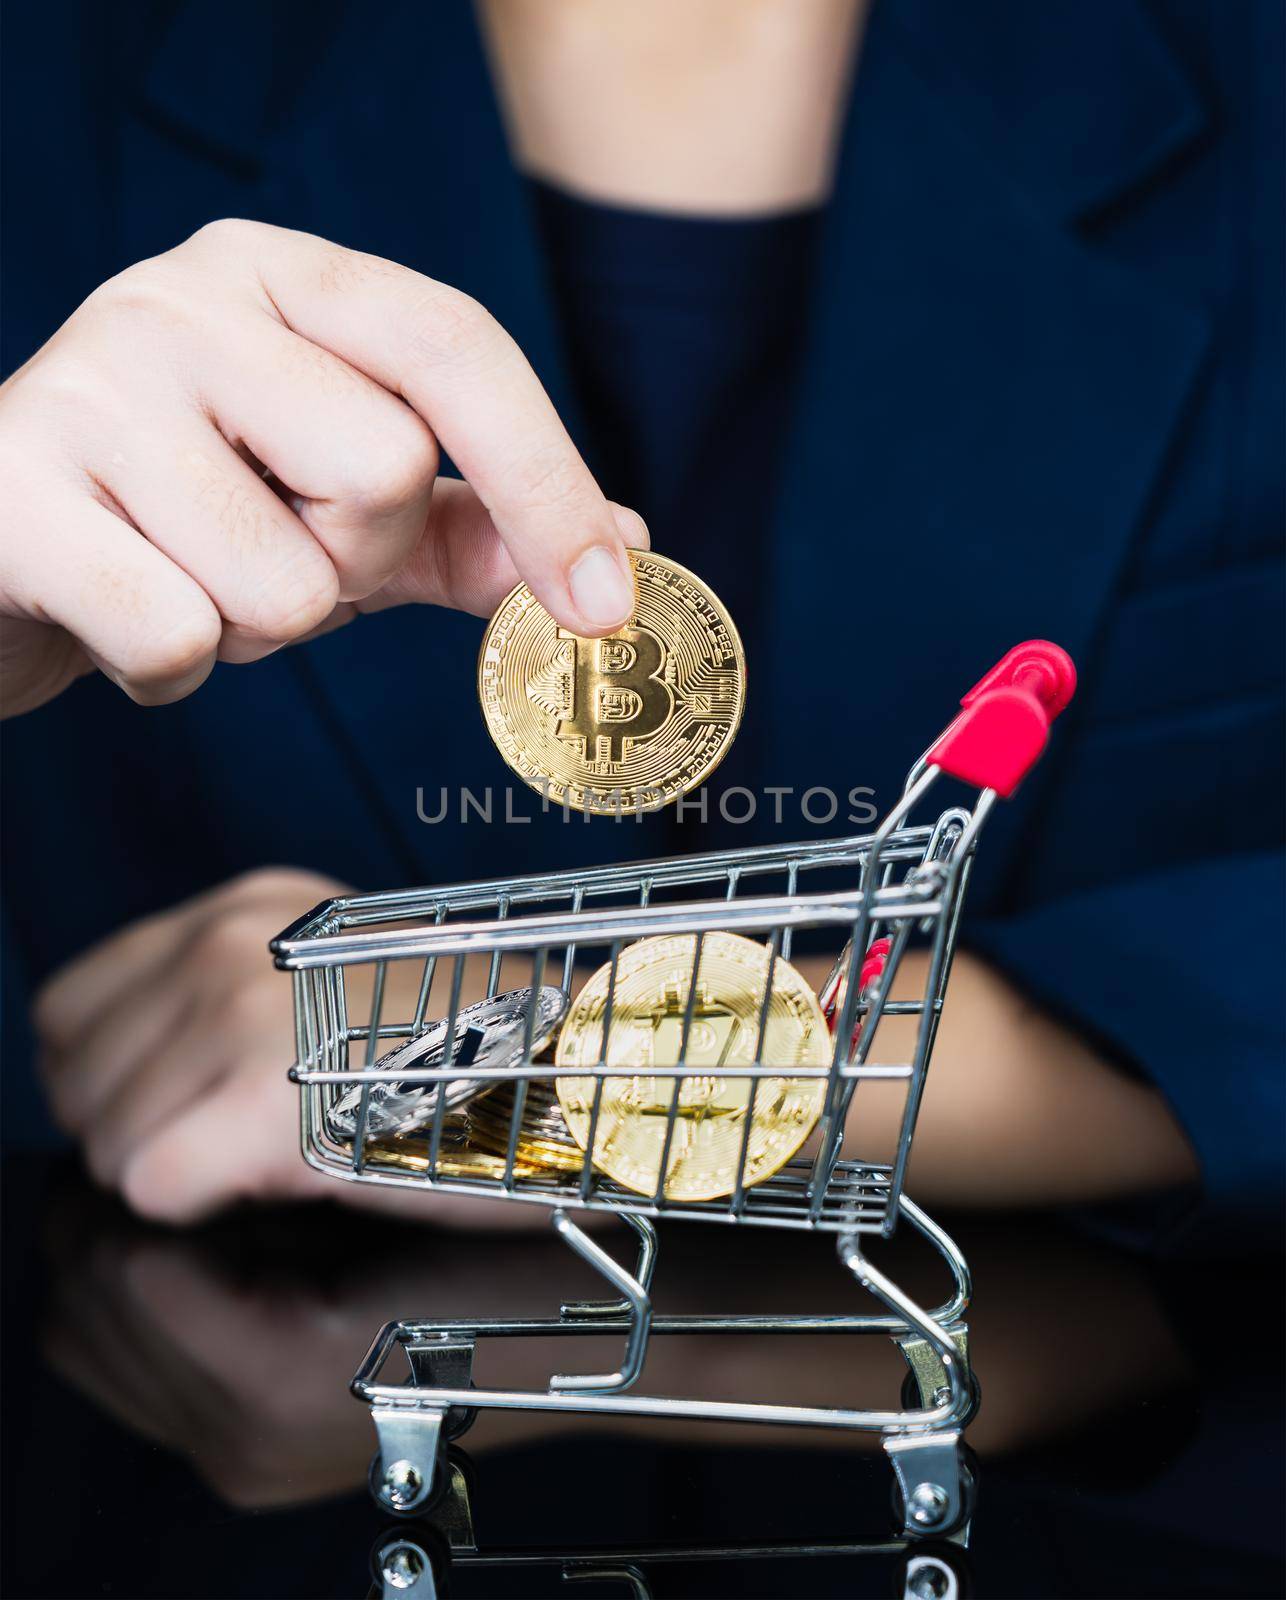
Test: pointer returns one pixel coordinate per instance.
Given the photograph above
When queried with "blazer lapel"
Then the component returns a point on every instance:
(374, 125)
(224, 73)
(988, 395)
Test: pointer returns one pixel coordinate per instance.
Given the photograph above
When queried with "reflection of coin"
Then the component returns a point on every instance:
(649, 1004)
(543, 1136)
(491, 1033)
(622, 724)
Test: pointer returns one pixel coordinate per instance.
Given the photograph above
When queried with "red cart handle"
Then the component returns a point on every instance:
(1004, 727)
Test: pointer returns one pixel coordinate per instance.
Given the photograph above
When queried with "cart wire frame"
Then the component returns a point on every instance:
(910, 880)
(902, 888)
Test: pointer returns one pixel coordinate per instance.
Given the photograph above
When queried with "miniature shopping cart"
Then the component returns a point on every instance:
(882, 897)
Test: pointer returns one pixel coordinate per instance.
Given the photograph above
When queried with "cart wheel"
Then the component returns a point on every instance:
(911, 1396)
(410, 1564)
(405, 1496)
(931, 1570)
(968, 1498)
(458, 1421)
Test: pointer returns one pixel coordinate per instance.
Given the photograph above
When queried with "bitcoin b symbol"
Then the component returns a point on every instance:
(617, 693)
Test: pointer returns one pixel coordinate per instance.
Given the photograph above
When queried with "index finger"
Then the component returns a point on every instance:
(466, 376)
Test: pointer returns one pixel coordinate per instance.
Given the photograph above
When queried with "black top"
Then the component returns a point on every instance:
(684, 337)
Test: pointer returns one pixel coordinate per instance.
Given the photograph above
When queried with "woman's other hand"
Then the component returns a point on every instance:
(165, 1051)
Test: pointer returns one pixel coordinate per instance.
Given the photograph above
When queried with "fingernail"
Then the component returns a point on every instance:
(601, 590)
(631, 527)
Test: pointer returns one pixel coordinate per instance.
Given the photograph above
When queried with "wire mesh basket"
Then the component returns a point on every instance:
(909, 882)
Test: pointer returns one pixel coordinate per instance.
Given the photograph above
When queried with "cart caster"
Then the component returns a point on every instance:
(935, 1484)
(933, 1572)
(411, 1471)
(404, 1489)
(459, 1419)
(447, 1504)
(446, 1364)
(406, 1568)
(913, 1400)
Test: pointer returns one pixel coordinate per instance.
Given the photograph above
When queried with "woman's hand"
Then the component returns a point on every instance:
(266, 409)
(1019, 1110)
(165, 1051)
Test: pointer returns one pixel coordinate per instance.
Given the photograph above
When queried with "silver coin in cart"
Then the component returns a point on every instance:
(374, 973)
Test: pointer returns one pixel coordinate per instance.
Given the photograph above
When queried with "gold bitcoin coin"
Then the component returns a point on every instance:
(623, 724)
(458, 1154)
(543, 1136)
(458, 1157)
(649, 1008)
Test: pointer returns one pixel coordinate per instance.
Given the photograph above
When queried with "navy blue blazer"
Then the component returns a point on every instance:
(1042, 396)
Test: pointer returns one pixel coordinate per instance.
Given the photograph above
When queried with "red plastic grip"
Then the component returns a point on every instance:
(877, 955)
(1043, 669)
(1004, 727)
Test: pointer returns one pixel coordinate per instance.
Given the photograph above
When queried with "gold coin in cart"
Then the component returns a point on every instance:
(540, 1158)
(455, 1160)
(458, 1156)
(649, 1005)
(623, 724)
(543, 1136)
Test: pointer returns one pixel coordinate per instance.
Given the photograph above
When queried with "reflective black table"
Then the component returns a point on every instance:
(177, 1420)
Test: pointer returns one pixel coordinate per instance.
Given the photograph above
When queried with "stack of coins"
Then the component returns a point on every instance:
(459, 1159)
(491, 1033)
(400, 1116)
(544, 1139)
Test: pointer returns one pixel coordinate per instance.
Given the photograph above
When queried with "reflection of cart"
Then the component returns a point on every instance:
(894, 896)
(413, 1563)
(406, 1567)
